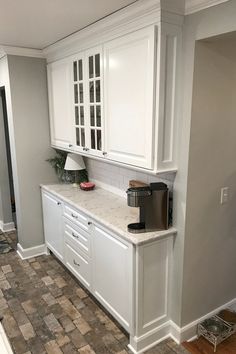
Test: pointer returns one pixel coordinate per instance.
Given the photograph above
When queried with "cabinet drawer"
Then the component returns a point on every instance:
(76, 237)
(78, 265)
(78, 218)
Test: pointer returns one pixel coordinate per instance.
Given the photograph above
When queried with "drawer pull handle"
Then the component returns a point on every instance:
(58, 203)
(74, 235)
(75, 263)
(74, 216)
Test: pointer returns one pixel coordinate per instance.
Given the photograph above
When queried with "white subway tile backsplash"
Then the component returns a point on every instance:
(118, 177)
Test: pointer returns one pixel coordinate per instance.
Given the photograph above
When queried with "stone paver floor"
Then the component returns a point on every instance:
(46, 311)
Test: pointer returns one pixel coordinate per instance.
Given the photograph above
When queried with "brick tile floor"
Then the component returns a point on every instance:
(46, 311)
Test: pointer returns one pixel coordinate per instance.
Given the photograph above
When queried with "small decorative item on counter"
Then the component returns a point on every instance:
(87, 186)
(75, 164)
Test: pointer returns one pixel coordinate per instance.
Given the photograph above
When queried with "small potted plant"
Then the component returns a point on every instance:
(58, 163)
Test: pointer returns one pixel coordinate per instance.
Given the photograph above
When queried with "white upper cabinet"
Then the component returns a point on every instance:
(59, 92)
(87, 101)
(128, 99)
(118, 95)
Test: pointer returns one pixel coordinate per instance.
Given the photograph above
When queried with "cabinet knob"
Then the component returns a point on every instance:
(70, 145)
(75, 236)
(74, 216)
(86, 149)
(89, 222)
(75, 263)
(104, 153)
(58, 203)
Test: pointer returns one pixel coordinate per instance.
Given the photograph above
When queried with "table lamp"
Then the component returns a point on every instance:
(75, 163)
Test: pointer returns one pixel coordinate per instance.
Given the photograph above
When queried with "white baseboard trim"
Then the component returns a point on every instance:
(175, 332)
(188, 332)
(5, 227)
(170, 329)
(140, 344)
(26, 253)
(5, 347)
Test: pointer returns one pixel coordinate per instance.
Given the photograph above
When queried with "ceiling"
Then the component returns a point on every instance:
(39, 23)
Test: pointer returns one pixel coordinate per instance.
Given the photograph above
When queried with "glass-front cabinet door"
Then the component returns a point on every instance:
(95, 95)
(87, 102)
(79, 102)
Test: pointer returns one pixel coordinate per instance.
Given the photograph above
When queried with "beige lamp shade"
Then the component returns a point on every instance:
(74, 162)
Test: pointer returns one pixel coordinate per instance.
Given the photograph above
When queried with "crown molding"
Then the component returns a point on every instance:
(192, 6)
(135, 16)
(24, 52)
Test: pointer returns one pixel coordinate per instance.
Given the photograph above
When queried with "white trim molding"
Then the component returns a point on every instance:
(4, 342)
(192, 6)
(20, 51)
(137, 15)
(140, 344)
(170, 329)
(189, 331)
(5, 227)
(26, 253)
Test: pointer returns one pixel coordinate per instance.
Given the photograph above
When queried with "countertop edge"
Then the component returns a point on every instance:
(171, 232)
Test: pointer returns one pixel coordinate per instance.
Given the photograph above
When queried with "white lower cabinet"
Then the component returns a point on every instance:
(52, 217)
(112, 278)
(130, 281)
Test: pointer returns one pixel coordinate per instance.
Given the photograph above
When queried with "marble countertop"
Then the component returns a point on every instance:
(108, 209)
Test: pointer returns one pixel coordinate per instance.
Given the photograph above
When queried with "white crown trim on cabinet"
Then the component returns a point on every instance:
(135, 16)
(192, 6)
(30, 252)
(113, 25)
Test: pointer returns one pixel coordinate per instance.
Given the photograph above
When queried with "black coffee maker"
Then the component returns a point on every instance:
(153, 201)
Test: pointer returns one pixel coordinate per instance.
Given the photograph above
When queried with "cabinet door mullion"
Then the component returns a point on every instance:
(94, 64)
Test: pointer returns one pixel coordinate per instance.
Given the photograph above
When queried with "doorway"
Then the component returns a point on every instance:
(8, 195)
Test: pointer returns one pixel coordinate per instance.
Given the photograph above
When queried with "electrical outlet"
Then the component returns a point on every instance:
(224, 195)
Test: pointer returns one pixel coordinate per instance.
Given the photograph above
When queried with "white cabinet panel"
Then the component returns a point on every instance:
(52, 218)
(153, 266)
(59, 91)
(112, 276)
(129, 91)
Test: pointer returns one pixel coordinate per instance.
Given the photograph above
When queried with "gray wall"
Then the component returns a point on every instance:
(187, 295)
(210, 242)
(5, 198)
(27, 105)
